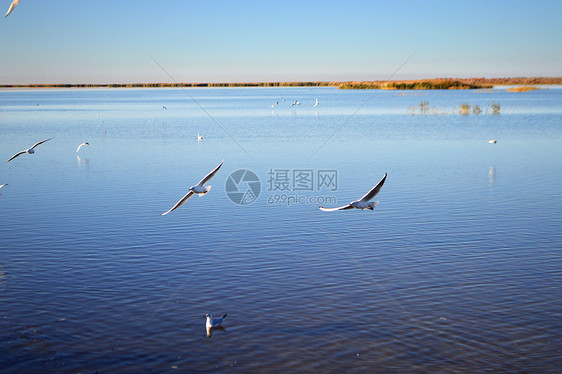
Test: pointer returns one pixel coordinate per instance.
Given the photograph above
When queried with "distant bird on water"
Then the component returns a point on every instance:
(362, 203)
(12, 6)
(29, 150)
(296, 103)
(492, 141)
(199, 138)
(82, 145)
(213, 322)
(164, 107)
(199, 189)
(315, 105)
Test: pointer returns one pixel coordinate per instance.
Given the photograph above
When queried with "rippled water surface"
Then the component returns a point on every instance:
(458, 269)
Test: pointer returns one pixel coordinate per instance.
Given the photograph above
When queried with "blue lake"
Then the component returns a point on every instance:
(458, 269)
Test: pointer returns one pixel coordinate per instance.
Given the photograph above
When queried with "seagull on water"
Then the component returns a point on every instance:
(12, 6)
(29, 150)
(164, 107)
(199, 138)
(492, 141)
(199, 189)
(213, 322)
(363, 203)
(296, 103)
(82, 145)
(315, 105)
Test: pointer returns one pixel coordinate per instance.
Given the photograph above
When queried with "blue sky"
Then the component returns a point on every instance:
(103, 41)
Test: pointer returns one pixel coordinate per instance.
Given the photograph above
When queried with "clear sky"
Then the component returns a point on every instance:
(111, 41)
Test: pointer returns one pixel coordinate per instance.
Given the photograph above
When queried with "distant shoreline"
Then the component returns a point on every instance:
(419, 84)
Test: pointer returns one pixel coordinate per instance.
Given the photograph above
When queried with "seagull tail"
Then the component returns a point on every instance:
(373, 205)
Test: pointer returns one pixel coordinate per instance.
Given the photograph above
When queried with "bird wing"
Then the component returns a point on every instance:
(2, 185)
(16, 155)
(210, 175)
(41, 142)
(12, 6)
(181, 202)
(345, 207)
(375, 190)
(80, 146)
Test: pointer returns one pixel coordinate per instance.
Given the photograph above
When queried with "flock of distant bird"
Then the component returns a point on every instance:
(295, 103)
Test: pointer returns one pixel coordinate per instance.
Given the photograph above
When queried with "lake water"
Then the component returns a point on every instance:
(458, 269)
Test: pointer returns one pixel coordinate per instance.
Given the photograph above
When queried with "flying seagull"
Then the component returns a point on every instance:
(296, 103)
(362, 203)
(492, 141)
(82, 145)
(164, 107)
(213, 322)
(316, 104)
(12, 6)
(199, 138)
(29, 150)
(199, 188)
(2, 185)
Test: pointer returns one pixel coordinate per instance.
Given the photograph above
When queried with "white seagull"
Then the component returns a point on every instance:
(12, 6)
(362, 203)
(213, 322)
(315, 105)
(199, 138)
(82, 145)
(199, 189)
(29, 150)
(2, 185)
(492, 141)
(296, 103)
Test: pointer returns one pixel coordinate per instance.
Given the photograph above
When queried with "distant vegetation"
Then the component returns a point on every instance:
(523, 88)
(431, 84)
(422, 84)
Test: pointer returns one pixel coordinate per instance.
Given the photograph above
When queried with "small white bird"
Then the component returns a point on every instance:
(362, 203)
(492, 141)
(315, 105)
(82, 145)
(12, 6)
(213, 322)
(199, 138)
(29, 150)
(199, 189)
(296, 103)
(2, 185)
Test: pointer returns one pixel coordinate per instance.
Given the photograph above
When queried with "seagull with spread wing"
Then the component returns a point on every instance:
(12, 6)
(199, 189)
(82, 145)
(29, 150)
(363, 203)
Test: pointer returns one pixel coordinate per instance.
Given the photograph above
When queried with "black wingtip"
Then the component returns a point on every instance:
(224, 315)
